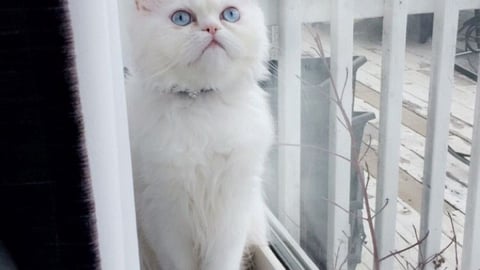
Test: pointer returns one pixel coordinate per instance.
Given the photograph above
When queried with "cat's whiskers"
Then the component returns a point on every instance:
(156, 74)
(233, 48)
(184, 54)
(183, 51)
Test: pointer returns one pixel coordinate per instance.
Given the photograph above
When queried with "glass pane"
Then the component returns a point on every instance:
(310, 229)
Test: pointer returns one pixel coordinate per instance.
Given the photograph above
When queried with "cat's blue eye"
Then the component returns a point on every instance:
(231, 14)
(181, 18)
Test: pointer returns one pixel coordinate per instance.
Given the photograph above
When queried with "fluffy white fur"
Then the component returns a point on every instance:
(198, 161)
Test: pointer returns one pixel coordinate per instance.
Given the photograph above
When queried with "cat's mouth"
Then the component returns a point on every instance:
(214, 44)
(212, 48)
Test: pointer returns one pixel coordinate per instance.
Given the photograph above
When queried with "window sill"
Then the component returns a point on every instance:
(265, 259)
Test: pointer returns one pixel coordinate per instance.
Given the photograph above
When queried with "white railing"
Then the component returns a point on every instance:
(288, 15)
(320, 10)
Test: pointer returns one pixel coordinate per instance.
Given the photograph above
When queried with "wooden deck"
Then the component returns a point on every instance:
(414, 115)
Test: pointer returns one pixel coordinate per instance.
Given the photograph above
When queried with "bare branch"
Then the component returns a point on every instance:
(341, 122)
(400, 262)
(338, 205)
(418, 239)
(455, 239)
(344, 85)
(315, 50)
(337, 255)
(345, 260)
(311, 146)
(369, 147)
(325, 95)
(437, 258)
(381, 209)
(438, 255)
(318, 42)
(405, 249)
(367, 168)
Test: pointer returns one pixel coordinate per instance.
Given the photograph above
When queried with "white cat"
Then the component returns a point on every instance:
(200, 130)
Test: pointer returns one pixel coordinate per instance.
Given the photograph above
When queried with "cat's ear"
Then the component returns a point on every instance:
(144, 5)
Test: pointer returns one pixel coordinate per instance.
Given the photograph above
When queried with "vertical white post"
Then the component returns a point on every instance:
(394, 43)
(441, 87)
(289, 113)
(99, 67)
(340, 140)
(126, 9)
(471, 242)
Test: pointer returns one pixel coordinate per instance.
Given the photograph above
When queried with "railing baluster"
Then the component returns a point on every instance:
(394, 43)
(289, 102)
(471, 242)
(339, 169)
(440, 98)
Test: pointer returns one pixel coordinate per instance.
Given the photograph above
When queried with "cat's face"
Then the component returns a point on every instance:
(199, 43)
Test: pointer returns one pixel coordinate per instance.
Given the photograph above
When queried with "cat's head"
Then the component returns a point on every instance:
(199, 43)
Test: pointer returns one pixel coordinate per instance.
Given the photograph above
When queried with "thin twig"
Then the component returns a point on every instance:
(434, 256)
(315, 50)
(338, 205)
(337, 255)
(318, 42)
(367, 168)
(361, 178)
(420, 253)
(307, 83)
(345, 260)
(369, 147)
(453, 240)
(456, 242)
(341, 122)
(405, 249)
(344, 86)
(399, 261)
(311, 146)
(381, 209)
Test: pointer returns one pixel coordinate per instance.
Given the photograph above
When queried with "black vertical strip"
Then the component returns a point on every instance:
(46, 214)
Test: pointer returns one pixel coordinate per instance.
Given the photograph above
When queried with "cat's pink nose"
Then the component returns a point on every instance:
(211, 29)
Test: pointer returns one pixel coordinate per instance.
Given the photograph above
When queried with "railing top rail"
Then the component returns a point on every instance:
(319, 10)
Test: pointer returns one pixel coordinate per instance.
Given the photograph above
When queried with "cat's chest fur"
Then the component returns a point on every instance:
(208, 147)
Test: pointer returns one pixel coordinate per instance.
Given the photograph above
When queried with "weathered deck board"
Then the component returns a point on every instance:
(413, 140)
(410, 187)
(417, 68)
(460, 117)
